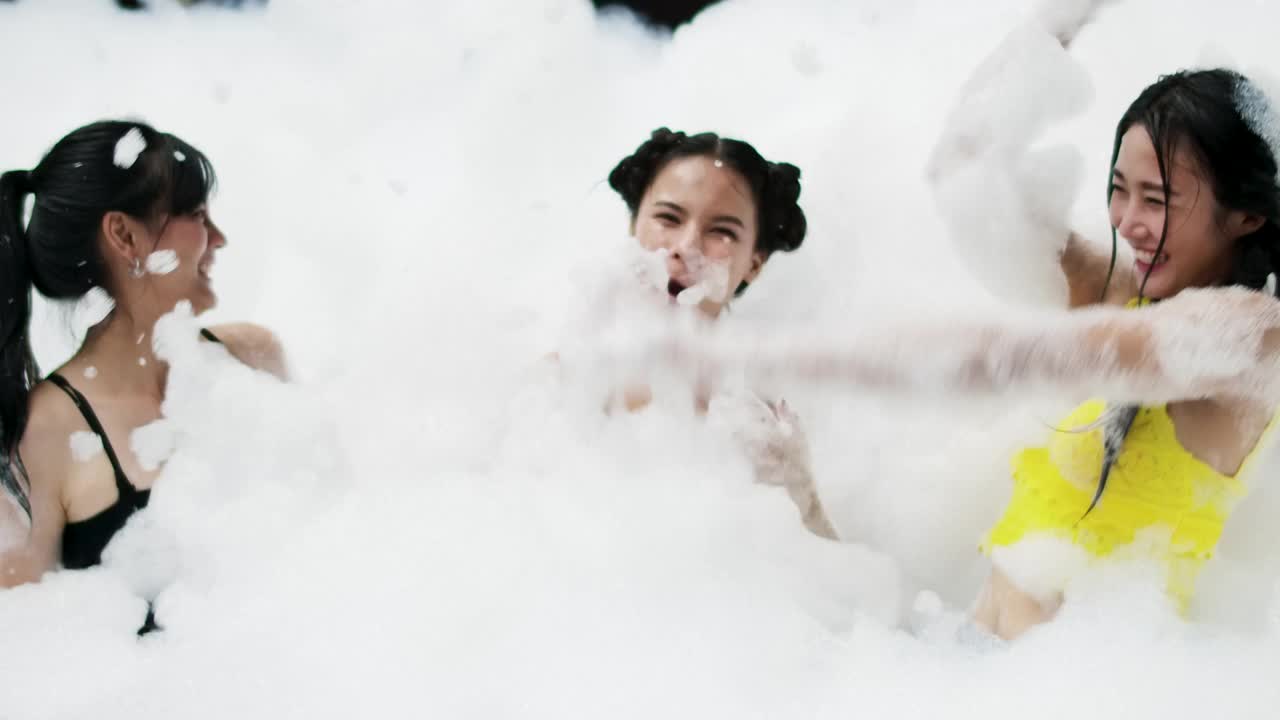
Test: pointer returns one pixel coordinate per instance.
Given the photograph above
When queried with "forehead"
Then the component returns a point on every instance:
(1138, 162)
(696, 183)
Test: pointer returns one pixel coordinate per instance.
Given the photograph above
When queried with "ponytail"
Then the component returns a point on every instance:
(18, 371)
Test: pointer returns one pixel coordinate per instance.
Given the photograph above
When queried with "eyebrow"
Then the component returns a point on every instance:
(729, 220)
(669, 204)
(1144, 186)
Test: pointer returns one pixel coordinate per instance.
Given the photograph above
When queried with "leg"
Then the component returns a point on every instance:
(1004, 609)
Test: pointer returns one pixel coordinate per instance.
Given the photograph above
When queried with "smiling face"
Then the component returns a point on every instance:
(175, 255)
(1199, 243)
(702, 214)
(193, 239)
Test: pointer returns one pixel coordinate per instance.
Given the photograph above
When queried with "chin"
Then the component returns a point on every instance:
(203, 303)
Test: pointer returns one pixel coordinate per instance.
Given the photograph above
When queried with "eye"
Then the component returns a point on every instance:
(1154, 201)
(1116, 188)
(668, 218)
(726, 233)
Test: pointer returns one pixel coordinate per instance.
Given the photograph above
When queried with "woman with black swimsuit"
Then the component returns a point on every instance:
(121, 207)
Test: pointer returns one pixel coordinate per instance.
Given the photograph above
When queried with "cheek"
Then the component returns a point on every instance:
(1115, 209)
(650, 236)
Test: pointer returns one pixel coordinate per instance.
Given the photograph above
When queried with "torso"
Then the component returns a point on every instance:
(89, 486)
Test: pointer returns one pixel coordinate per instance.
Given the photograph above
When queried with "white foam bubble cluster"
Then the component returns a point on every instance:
(1257, 107)
(91, 309)
(162, 262)
(85, 445)
(128, 148)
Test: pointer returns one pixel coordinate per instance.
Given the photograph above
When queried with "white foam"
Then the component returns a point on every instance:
(91, 309)
(85, 445)
(128, 148)
(410, 527)
(162, 262)
(1258, 109)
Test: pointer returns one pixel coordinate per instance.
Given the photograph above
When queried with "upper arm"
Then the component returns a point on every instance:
(255, 346)
(29, 546)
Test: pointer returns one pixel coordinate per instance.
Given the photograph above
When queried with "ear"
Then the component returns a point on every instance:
(123, 235)
(757, 264)
(1241, 223)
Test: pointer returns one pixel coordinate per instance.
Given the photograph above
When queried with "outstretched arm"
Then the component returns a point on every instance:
(1203, 343)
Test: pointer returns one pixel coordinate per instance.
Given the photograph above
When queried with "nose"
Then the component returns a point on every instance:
(686, 242)
(1129, 220)
(216, 238)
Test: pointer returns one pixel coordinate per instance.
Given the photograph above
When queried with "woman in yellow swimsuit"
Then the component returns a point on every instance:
(1184, 344)
(1194, 193)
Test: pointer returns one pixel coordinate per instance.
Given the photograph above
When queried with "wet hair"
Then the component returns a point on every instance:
(88, 173)
(775, 187)
(1207, 113)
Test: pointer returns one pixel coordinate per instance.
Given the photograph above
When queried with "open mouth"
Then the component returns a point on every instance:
(675, 287)
(1147, 261)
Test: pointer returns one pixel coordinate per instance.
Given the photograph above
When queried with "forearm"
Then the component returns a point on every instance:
(795, 473)
(1149, 356)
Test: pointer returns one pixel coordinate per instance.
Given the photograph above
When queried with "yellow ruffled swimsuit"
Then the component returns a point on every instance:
(1155, 485)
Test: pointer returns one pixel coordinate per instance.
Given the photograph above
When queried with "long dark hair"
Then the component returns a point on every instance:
(775, 186)
(108, 166)
(1204, 112)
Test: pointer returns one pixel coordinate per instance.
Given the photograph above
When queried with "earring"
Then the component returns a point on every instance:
(136, 270)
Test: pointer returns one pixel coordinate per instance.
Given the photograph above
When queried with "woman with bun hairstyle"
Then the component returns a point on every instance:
(715, 211)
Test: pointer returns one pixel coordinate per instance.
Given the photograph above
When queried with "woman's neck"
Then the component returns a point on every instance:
(120, 349)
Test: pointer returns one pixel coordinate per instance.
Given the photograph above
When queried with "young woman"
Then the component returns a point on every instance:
(1189, 367)
(716, 211)
(121, 207)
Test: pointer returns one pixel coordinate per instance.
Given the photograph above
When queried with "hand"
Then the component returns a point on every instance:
(997, 197)
(770, 435)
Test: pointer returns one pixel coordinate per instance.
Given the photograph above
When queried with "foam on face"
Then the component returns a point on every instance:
(162, 262)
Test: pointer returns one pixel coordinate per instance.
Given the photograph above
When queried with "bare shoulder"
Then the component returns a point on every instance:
(31, 541)
(50, 412)
(255, 346)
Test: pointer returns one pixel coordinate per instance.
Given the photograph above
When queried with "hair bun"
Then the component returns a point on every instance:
(631, 177)
(785, 222)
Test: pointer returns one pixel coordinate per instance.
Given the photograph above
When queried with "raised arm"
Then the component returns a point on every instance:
(1087, 268)
(1006, 202)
